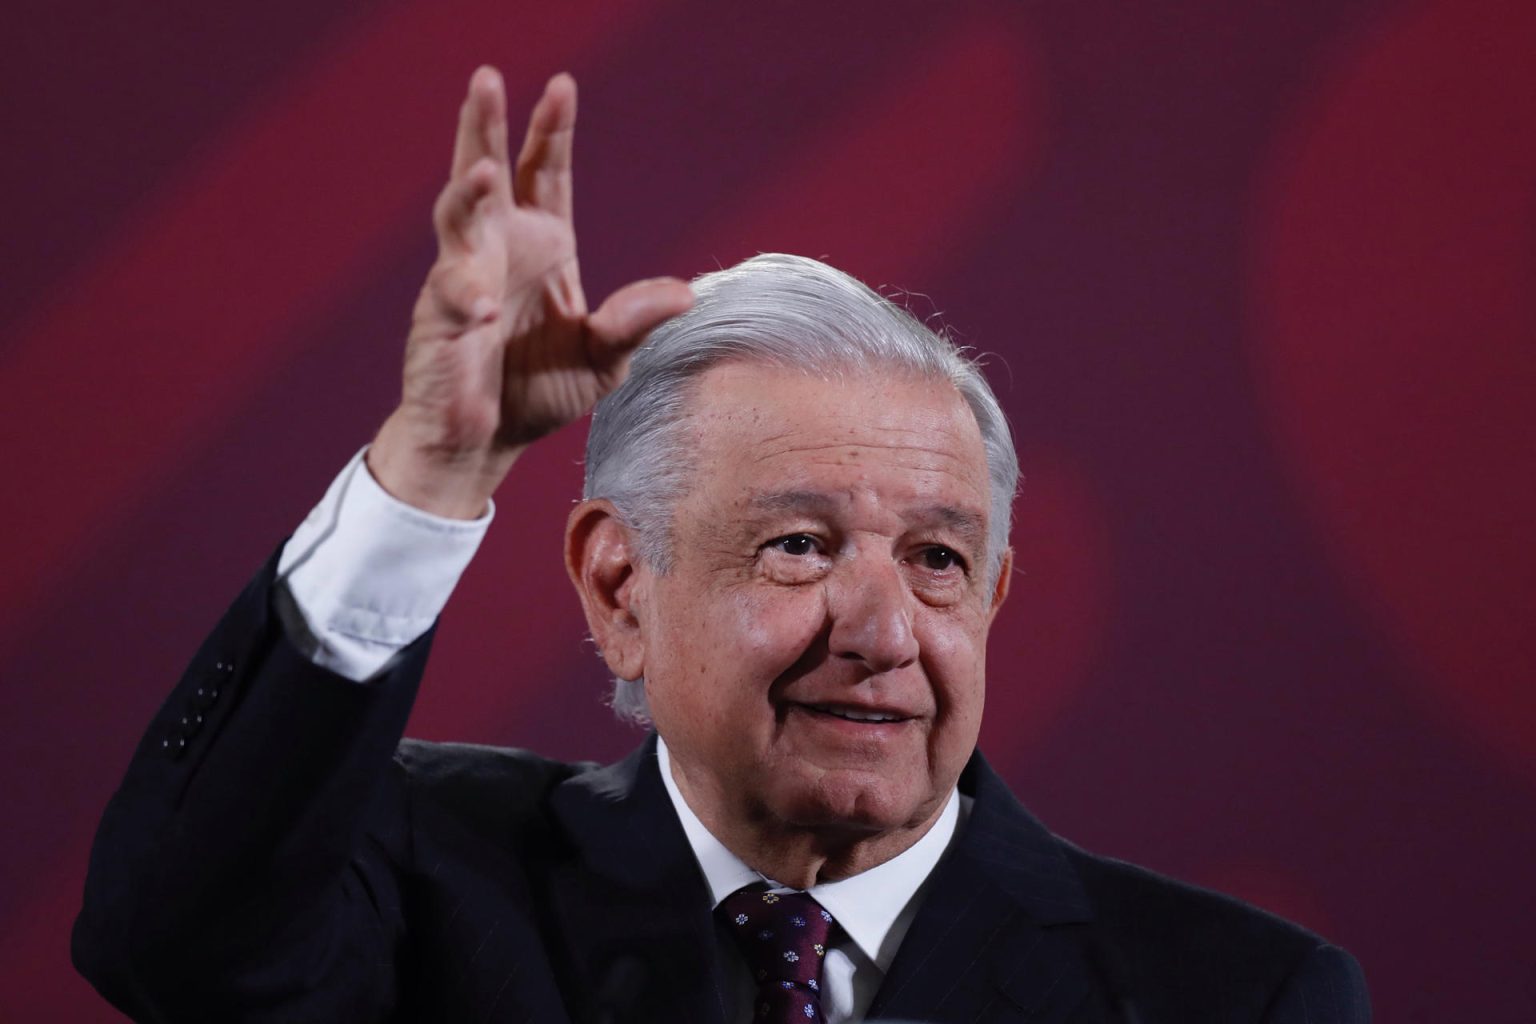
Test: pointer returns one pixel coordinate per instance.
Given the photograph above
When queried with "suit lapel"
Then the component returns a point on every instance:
(999, 936)
(994, 938)
(631, 903)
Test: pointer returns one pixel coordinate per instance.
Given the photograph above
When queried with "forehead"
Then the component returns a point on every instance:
(762, 430)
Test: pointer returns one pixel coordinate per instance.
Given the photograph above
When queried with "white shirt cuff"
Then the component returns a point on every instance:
(365, 574)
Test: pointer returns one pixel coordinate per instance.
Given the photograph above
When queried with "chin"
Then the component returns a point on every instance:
(851, 802)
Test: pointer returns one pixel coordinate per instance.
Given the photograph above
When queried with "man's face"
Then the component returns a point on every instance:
(816, 654)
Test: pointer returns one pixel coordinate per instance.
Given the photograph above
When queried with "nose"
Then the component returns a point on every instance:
(871, 612)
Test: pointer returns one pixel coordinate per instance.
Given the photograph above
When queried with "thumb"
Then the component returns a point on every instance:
(621, 323)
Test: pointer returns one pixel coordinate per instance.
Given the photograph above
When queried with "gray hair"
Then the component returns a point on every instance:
(783, 311)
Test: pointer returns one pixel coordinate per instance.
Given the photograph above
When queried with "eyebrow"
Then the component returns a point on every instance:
(774, 502)
(968, 523)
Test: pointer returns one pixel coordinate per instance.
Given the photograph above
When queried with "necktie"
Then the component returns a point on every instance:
(784, 939)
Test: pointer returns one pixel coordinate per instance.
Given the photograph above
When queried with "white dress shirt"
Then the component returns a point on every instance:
(365, 574)
(874, 909)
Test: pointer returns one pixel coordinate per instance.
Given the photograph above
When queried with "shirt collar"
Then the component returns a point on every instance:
(874, 908)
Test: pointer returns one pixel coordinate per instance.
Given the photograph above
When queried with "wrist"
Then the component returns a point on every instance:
(431, 477)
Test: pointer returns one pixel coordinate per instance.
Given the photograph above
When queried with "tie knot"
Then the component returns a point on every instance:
(783, 937)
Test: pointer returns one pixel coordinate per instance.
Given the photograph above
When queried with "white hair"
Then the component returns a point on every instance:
(782, 311)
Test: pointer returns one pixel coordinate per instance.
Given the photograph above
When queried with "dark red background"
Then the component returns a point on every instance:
(1260, 282)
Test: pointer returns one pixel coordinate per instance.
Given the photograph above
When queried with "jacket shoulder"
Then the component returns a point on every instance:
(494, 791)
(432, 763)
(1134, 899)
(1254, 963)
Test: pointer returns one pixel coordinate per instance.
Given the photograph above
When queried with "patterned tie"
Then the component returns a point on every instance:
(784, 938)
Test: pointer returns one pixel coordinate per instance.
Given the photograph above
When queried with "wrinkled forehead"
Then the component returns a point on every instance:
(765, 426)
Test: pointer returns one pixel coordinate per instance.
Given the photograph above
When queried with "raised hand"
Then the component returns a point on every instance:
(502, 349)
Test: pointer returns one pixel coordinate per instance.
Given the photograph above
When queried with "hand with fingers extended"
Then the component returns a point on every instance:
(502, 349)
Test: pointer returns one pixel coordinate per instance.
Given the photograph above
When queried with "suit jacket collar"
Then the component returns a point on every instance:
(1009, 845)
(632, 902)
(994, 938)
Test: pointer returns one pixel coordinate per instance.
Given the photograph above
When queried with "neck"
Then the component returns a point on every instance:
(793, 854)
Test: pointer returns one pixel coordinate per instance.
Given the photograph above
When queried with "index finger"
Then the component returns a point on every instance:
(482, 124)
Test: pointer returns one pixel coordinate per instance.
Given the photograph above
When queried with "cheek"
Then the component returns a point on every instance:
(771, 629)
(725, 647)
(954, 651)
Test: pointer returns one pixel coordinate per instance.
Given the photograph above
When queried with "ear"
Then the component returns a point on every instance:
(1000, 589)
(603, 563)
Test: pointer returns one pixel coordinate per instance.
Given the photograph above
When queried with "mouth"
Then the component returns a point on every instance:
(858, 715)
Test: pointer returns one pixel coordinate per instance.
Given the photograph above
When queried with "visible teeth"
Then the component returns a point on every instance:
(859, 716)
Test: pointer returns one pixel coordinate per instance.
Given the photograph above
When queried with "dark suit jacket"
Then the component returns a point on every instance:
(274, 855)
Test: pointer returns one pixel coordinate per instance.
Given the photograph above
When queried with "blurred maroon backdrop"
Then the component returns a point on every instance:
(1259, 279)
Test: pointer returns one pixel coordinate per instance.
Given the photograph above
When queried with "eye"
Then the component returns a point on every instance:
(794, 558)
(940, 559)
(796, 544)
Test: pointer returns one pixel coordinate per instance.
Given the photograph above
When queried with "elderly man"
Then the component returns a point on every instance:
(792, 545)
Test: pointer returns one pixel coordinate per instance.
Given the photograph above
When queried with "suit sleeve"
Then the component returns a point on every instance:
(247, 868)
(1327, 987)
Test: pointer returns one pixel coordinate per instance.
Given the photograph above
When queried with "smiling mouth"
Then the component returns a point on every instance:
(867, 716)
